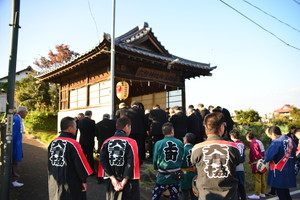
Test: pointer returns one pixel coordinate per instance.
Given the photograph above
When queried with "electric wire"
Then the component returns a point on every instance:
(297, 2)
(261, 26)
(93, 20)
(271, 16)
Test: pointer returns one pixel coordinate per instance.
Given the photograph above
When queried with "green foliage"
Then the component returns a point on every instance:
(3, 87)
(295, 115)
(279, 120)
(37, 120)
(45, 136)
(257, 128)
(246, 117)
(35, 95)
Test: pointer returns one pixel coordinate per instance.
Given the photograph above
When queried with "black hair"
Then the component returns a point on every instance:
(213, 122)
(66, 122)
(122, 122)
(235, 134)
(274, 129)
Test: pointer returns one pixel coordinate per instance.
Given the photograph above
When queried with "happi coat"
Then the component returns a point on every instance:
(67, 168)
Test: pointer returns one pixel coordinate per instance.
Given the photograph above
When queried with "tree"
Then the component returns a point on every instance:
(32, 94)
(54, 60)
(246, 117)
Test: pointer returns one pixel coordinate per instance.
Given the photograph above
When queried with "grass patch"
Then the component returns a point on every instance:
(44, 136)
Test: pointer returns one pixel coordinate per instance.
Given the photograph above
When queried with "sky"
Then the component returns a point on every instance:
(255, 68)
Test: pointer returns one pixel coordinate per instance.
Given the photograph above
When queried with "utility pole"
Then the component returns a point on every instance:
(112, 61)
(10, 100)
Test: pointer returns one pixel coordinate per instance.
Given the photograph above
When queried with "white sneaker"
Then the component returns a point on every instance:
(262, 195)
(17, 184)
(253, 197)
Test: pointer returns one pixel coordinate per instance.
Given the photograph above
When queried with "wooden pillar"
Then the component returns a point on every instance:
(183, 97)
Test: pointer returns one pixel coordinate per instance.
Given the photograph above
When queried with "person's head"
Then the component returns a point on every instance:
(210, 108)
(189, 138)
(106, 116)
(200, 106)
(176, 109)
(80, 116)
(168, 129)
(122, 105)
(124, 123)
(234, 135)
(250, 136)
(214, 124)
(88, 113)
(156, 106)
(134, 104)
(274, 132)
(147, 111)
(292, 129)
(191, 106)
(22, 111)
(68, 124)
(189, 111)
(297, 133)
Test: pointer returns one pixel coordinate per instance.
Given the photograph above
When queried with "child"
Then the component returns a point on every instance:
(235, 137)
(186, 167)
(257, 152)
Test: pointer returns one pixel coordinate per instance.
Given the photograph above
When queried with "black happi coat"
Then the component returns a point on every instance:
(67, 168)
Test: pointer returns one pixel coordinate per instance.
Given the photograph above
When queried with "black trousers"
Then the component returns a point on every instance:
(131, 191)
(88, 151)
(283, 194)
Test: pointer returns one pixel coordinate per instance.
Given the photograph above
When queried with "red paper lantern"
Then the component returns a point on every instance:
(122, 90)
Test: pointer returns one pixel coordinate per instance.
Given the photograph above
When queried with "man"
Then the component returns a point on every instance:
(121, 112)
(18, 129)
(228, 120)
(119, 159)
(291, 134)
(256, 153)
(138, 127)
(105, 129)
(68, 168)
(240, 174)
(79, 117)
(193, 125)
(157, 117)
(187, 168)
(167, 160)
(178, 119)
(216, 161)
(202, 110)
(281, 155)
(87, 135)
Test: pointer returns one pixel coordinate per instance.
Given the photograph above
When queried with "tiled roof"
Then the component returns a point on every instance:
(126, 42)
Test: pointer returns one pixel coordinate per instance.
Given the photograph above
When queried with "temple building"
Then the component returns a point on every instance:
(153, 74)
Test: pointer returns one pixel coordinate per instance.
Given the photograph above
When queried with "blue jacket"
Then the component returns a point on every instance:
(17, 138)
(284, 178)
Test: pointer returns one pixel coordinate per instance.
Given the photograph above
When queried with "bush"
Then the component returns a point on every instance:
(46, 121)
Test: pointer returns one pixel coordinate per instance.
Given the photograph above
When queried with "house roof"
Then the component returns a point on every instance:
(284, 109)
(141, 42)
(29, 68)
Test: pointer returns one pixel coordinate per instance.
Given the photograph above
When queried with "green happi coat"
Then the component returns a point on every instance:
(188, 170)
(168, 154)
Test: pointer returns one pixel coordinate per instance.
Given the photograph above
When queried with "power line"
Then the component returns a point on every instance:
(260, 26)
(272, 16)
(297, 2)
(94, 20)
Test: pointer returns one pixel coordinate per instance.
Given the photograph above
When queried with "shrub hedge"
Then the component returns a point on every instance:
(37, 120)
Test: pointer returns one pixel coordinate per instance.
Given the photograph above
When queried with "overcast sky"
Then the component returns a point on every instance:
(256, 69)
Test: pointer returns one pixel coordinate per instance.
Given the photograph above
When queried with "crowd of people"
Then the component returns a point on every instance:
(197, 154)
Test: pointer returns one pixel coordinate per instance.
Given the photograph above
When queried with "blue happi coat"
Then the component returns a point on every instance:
(17, 138)
(281, 177)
